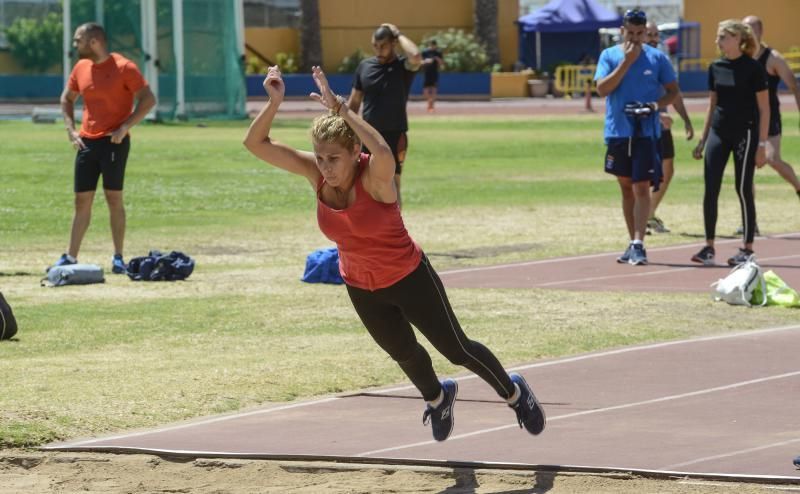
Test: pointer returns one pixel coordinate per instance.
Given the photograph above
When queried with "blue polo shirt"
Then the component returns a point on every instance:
(644, 82)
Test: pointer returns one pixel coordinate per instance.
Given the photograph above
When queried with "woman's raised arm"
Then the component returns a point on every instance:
(258, 141)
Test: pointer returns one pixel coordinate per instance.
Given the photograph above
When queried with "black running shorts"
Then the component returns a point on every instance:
(101, 157)
(667, 145)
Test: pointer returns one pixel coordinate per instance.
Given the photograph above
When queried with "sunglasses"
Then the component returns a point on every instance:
(636, 17)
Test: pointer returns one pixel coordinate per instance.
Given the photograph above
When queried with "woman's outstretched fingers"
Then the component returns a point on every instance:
(325, 95)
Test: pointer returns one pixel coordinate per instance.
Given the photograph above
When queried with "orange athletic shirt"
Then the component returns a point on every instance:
(107, 90)
(375, 250)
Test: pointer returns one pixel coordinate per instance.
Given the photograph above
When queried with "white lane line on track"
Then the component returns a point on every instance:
(590, 256)
(646, 273)
(617, 351)
(193, 424)
(729, 454)
(566, 360)
(599, 410)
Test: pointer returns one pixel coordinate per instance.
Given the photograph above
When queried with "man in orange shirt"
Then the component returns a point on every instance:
(108, 83)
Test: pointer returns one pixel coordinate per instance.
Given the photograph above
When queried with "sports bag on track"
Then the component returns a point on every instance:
(737, 288)
(778, 292)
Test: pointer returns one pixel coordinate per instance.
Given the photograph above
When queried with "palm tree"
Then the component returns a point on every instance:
(310, 41)
(485, 12)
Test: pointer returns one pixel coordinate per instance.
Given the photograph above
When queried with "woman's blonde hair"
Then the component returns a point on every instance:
(747, 41)
(332, 128)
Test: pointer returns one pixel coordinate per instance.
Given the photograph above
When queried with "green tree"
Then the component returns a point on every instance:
(36, 44)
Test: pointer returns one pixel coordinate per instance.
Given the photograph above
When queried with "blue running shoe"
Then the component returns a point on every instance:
(797, 462)
(530, 413)
(638, 255)
(441, 417)
(118, 265)
(625, 257)
(64, 260)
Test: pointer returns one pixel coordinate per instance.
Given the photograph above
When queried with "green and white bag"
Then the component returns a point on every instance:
(739, 286)
(778, 292)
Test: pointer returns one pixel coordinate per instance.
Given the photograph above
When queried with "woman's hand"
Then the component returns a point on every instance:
(325, 96)
(697, 153)
(761, 156)
(274, 85)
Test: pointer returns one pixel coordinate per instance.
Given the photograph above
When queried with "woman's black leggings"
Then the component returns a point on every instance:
(718, 150)
(420, 299)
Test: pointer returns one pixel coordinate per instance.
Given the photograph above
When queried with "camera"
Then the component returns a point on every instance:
(637, 109)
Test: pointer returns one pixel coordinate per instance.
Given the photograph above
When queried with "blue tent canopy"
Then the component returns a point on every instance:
(563, 31)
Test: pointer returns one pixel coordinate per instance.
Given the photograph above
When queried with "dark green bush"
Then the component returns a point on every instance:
(36, 45)
(350, 62)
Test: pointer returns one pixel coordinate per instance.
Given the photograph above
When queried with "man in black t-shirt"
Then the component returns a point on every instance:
(432, 61)
(382, 83)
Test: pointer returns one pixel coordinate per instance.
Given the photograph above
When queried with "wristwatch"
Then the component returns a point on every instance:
(762, 144)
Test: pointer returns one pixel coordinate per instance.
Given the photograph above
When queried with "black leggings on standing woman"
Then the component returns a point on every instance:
(718, 150)
(420, 299)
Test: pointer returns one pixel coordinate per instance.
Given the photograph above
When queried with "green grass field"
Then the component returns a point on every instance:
(244, 330)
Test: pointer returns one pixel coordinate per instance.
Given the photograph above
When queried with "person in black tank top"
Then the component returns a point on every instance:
(736, 123)
(777, 70)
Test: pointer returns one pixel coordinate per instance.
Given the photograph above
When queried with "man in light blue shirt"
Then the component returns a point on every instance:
(637, 80)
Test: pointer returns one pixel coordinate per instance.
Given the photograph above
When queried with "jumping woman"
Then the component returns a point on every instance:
(390, 281)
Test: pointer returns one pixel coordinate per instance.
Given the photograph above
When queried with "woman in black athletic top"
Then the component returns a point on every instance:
(737, 122)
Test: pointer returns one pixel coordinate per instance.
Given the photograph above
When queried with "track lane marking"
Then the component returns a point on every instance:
(593, 256)
(729, 454)
(646, 273)
(566, 360)
(623, 406)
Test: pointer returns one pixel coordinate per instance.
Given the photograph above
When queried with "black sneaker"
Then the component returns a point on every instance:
(741, 257)
(623, 259)
(797, 460)
(638, 255)
(530, 413)
(441, 417)
(705, 256)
